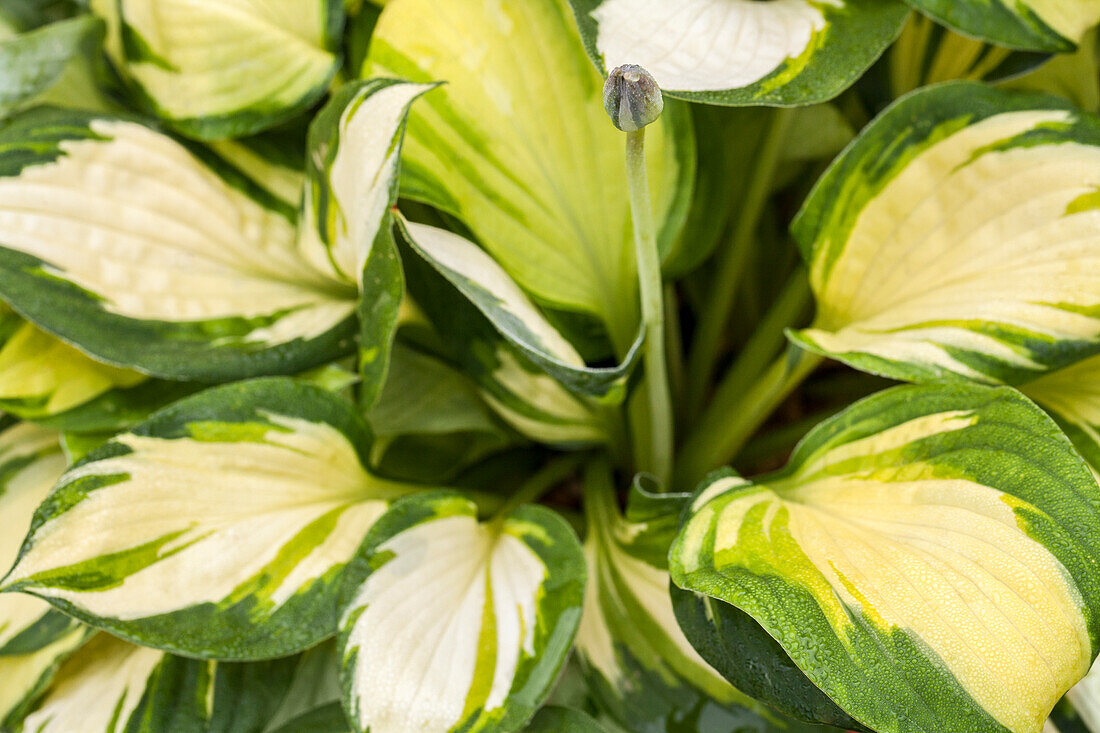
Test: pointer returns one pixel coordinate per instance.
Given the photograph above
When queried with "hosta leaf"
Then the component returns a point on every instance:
(110, 685)
(33, 637)
(325, 719)
(224, 68)
(816, 133)
(730, 640)
(1075, 76)
(120, 408)
(78, 445)
(53, 57)
(30, 463)
(383, 288)
(117, 239)
(362, 17)
(556, 719)
(740, 51)
(42, 376)
(24, 15)
(345, 227)
(1072, 396)
(44, 379)
(91, 424)
(315, 684)
(273, 162)
(641, 666)
(478, 277)
(354, 144)
(27, 676)
(522, 393)
(430, 421)
(728, 140)
(451, 624)
(1034, 25)
(35, 60)
(218, 528)
(1079, 710)
(517, 144)
(927, 559)
(928, 53)
(534, 404)
(425, 396)
(957, 238)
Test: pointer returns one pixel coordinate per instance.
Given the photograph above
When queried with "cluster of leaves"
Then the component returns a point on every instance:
(321, 349)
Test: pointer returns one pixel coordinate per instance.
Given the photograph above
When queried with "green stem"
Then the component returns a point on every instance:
(731, 264)
(674, 342)
(766, 340)
(549, 476)
(731, 421)
(601, 503)
(659, 458)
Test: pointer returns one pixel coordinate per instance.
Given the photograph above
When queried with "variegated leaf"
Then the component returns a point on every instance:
(521, 392)
(928, 560)
(354, 147)
(1075, 76)
(1031, 25)
(485, 284)
(957, 237)
(641, 667)
(110, 685)
(273, 161)
(44, 379)
(118, 239)
(534, 403)
(219, 528)
(742, 52)
(30, 463)
(453, 624)
(517, 145)
(27, 676)
(120, 408)
(928, 53)
(1079, 710)
(92, 423)
(1072, 396)
(750, 658)
(42, 376)
(345, 226)
(224, 68)
(33, 637)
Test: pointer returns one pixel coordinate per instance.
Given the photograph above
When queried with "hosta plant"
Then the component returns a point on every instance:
(709, 366)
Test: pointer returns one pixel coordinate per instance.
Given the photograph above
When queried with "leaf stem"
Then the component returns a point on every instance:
(601, 503)
(728, 423)
(713, 318)
(766, 340)
(674, 342)
(658, 459)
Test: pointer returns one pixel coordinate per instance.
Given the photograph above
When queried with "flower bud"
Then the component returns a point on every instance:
(632, 98)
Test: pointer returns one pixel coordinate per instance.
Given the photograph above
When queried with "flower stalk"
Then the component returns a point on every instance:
(633, 100)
